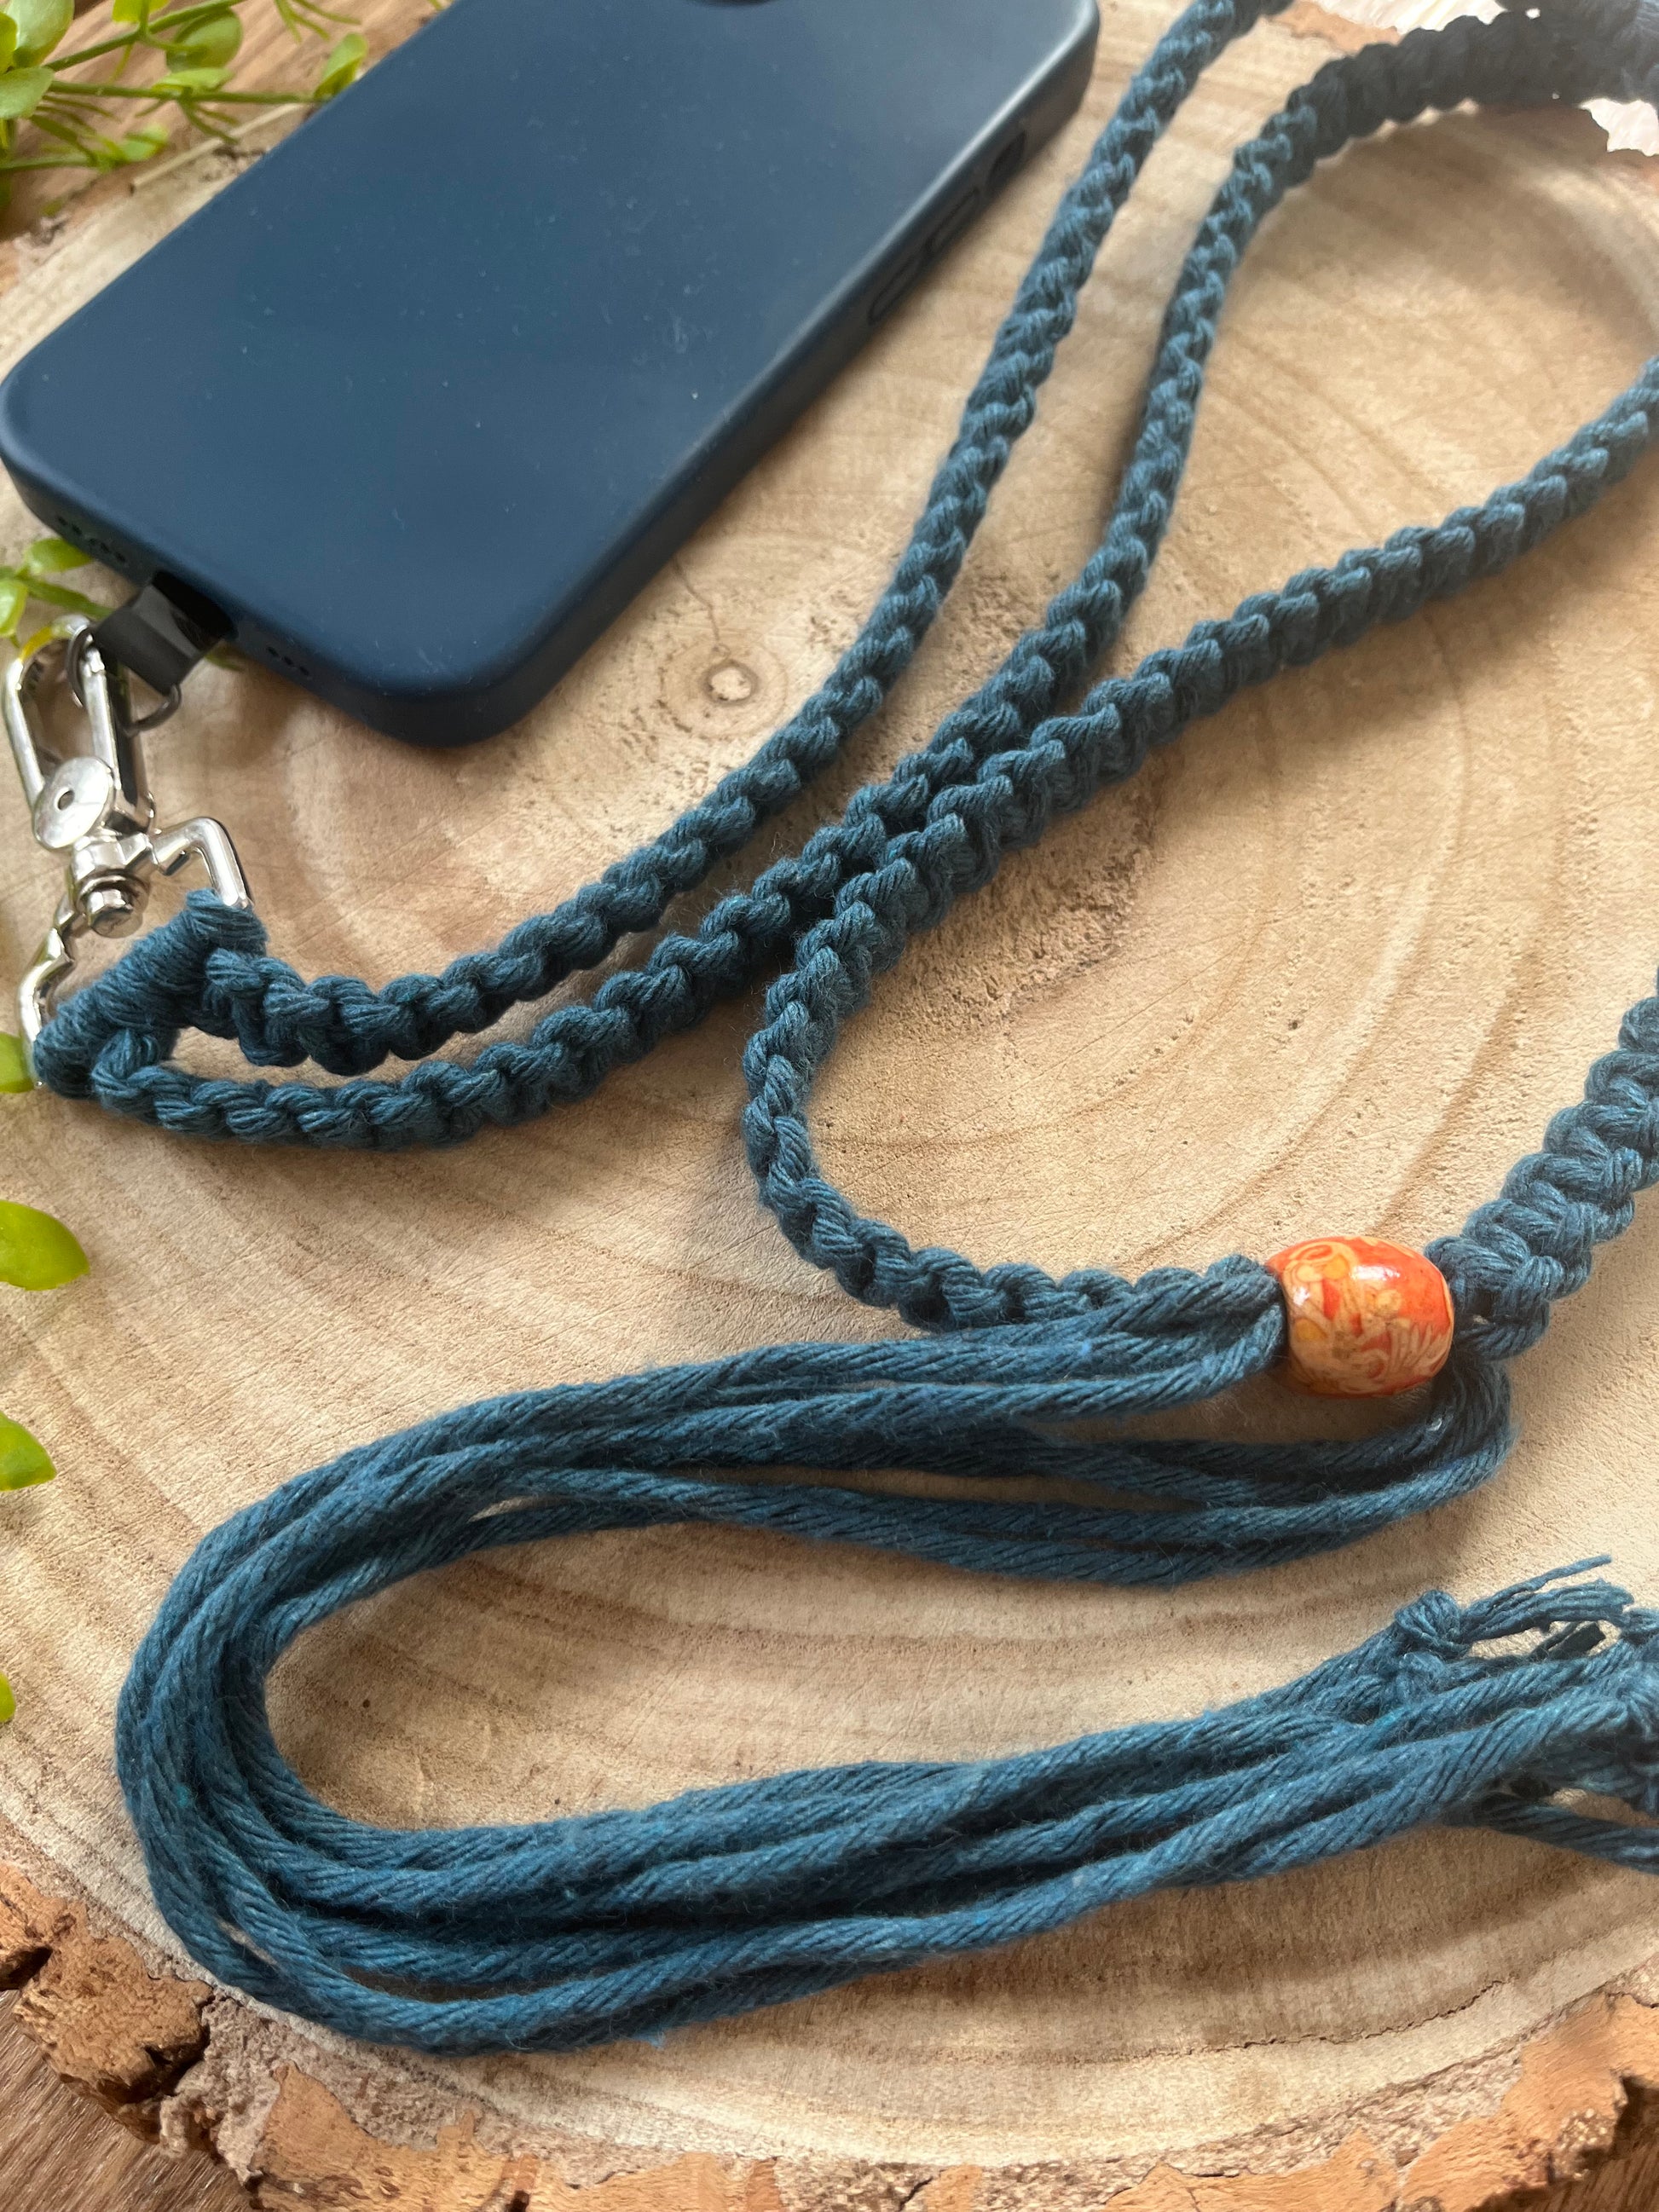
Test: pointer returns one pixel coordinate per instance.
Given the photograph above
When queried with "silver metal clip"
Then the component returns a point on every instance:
(95, 807)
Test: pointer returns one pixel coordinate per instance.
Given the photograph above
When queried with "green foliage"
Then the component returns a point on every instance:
(343, 64)
(139, 145)
(212, 43)
(22, 91)
(13, 1064)
(101, 117)
(187, 84)
(37, 1253)
(50, 556)
(40, 24)
(23, 1464)
(73, 115)
(33, 578)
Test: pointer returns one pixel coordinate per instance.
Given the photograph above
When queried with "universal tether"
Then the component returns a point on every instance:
(577, 1931)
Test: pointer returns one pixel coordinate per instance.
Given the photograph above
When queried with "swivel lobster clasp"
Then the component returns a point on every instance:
(94, 807)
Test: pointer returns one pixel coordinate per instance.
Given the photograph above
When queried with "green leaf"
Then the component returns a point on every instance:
(208, 44)
(8, 40)
(343, 65)
(189, 82)
(40, 24)
(14, 598)
(7, 1702)
(22, 91)
(127, 11)
(60, 595)
(50, 556)
(37, 1253)
(141, 145)
(13, 1064)
(22, 1462)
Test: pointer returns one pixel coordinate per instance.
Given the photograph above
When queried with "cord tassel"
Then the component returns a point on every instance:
(583, 1930)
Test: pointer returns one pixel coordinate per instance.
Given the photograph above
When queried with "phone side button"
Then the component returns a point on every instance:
(955, 223)
(895, 288)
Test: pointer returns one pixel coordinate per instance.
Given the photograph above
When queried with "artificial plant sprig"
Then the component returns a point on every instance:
(13, 1064)
(73, 119)
(110, 121)
(37, 1253)
(35, 577)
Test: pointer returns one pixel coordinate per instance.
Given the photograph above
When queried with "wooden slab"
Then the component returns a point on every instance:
(1330, 964)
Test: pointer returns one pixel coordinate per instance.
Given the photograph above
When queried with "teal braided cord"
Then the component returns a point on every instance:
(211, 973)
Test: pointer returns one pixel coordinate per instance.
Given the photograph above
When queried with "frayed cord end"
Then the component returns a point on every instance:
(1552, 1606)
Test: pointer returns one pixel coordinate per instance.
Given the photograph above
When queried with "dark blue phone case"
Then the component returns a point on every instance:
(424, 398)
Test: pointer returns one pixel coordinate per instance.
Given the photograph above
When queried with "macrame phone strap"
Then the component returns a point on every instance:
(576, 1931)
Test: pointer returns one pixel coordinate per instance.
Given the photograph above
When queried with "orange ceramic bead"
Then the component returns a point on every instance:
(1365, 1319)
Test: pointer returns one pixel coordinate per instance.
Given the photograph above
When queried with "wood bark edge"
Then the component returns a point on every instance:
(138, 2041)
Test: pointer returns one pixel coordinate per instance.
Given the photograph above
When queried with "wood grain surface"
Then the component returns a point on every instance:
(1327, 966)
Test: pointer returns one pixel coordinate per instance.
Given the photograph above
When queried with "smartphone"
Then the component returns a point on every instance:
(421, 400)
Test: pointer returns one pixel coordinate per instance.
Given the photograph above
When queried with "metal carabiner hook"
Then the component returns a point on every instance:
(95, 807)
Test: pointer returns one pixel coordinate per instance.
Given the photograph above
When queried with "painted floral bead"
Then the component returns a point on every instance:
(1365, 1319)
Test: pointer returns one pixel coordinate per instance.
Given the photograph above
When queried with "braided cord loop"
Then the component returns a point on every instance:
(209, 970)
